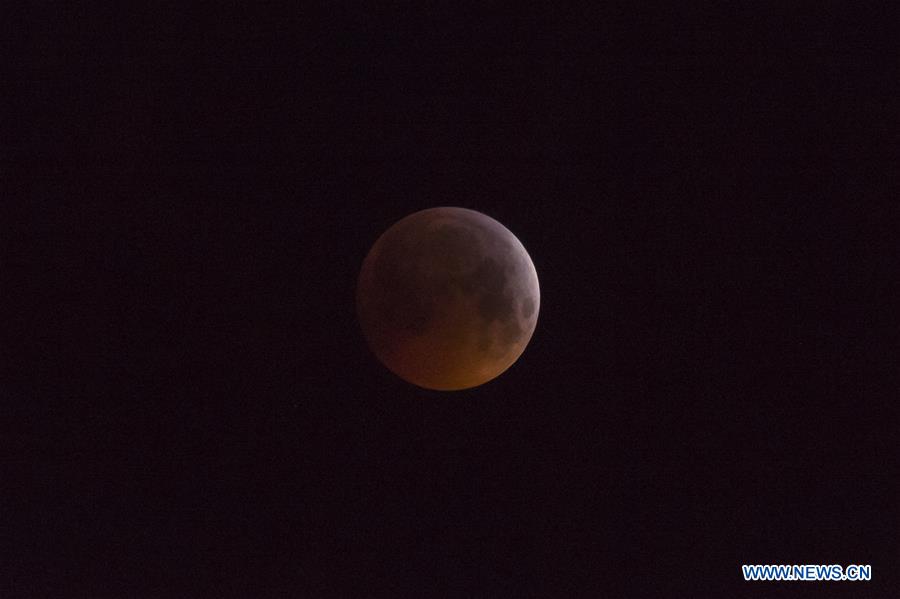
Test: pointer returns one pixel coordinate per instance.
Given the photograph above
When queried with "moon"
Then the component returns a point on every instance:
(447, 298)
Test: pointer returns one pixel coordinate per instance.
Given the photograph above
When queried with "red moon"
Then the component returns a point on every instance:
(447, 298)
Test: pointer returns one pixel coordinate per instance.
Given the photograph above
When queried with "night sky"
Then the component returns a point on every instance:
(190, 409)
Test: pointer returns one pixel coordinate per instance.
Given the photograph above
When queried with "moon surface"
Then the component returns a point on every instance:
(447, 298)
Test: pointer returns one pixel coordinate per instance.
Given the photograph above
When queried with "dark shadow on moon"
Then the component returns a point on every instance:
(527, 307)
(415, 273)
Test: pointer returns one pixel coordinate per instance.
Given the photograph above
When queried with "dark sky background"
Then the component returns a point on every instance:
(191, 410)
